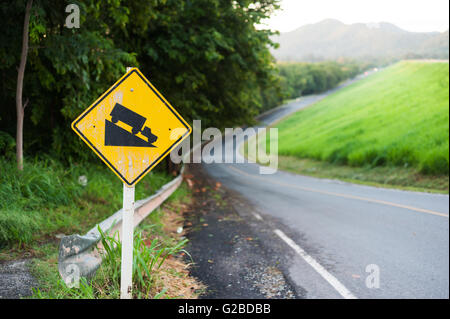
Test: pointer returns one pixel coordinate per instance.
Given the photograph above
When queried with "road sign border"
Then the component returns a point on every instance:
(102, 97)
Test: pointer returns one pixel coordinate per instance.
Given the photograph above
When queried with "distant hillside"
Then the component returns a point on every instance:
(332, 39)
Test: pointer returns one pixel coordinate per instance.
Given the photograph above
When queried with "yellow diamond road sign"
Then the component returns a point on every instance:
(132, 127)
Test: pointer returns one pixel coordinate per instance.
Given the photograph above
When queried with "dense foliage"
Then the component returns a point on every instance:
(205, 56)
(310, 78)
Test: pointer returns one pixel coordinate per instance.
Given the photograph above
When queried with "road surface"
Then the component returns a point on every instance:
(344, 240)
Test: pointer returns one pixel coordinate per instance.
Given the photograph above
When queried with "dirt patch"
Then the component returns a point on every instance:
(174, 275)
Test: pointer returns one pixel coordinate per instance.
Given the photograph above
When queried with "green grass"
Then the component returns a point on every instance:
(154, 275)
(46, 199)
(147, 261)
(398, 117)
(405, 178)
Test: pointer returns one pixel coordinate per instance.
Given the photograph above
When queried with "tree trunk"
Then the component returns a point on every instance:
(20, 107)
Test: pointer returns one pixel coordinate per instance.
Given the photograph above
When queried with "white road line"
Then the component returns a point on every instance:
(257, 216)
(340, 288)
(366, 199)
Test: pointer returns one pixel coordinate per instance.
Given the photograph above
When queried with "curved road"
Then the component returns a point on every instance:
(346, 240)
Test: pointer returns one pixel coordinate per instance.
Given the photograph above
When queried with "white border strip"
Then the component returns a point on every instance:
(340, 288)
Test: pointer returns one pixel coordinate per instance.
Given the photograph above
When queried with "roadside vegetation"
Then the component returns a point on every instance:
(405, 178)
(399, 117)
(205, 57)
(389, 129)
(160, 267)
(299, 79)
(48, 198)
(399, 177)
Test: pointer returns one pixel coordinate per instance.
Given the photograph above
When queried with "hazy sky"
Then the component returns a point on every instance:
(411, 15)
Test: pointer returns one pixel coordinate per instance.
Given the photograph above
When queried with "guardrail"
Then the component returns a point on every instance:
(82, 254)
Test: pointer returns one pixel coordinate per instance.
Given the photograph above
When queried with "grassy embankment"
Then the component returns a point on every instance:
(391, 130)
(46, 199)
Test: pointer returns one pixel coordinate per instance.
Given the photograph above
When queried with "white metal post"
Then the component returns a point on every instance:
(126, 279)
(126, 274)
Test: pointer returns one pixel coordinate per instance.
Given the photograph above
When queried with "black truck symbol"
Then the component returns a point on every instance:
(136, 121)
(121, 113)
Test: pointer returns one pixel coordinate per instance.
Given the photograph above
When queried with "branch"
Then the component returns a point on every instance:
(26, 103)
(23, 56)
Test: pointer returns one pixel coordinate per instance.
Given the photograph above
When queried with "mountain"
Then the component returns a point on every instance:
(332, 39)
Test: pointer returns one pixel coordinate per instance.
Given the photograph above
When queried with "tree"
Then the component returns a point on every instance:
(20, 107)
(67, 70)
(205, 56)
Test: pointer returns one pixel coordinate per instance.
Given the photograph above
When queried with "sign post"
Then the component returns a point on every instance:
(126, 275)
(131, 127)
(126, 272)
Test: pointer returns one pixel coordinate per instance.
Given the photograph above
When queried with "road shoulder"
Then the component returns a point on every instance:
(230, 258)
(16, 280)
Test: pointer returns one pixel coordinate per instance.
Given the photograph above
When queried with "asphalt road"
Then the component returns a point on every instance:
(344, 240)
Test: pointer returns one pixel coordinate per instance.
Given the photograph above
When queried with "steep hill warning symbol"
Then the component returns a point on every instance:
(118, 136)
(131, 127)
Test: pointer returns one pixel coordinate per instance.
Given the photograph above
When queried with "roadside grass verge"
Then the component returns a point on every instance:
(380, 176)
(159, 269)
(389, 130)
(46, 199)
(388, 176)
(397, 117)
